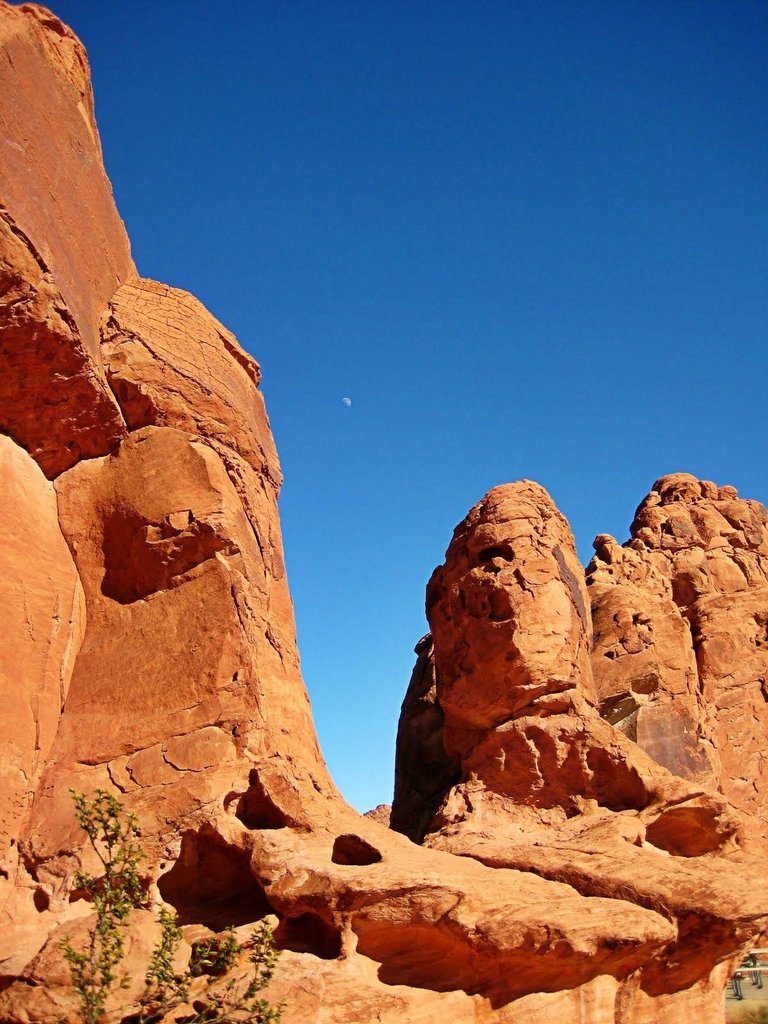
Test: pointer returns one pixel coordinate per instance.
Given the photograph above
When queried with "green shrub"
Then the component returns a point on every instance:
(114, 895)
(218, 999)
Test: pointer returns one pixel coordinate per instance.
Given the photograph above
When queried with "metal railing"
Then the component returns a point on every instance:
(750, 969)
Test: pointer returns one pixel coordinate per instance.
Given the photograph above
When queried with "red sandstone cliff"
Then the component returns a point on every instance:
(149, 648)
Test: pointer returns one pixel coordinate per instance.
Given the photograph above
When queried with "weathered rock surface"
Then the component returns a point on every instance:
(423, 770)
(63, 247)
(43, 616)
(156, 650)
(681, 650)
(153, 653)
(644, 662)
(545, 784)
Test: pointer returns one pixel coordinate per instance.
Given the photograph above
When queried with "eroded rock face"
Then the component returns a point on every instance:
(152, 647)
(170, 363)
(153, 654)
(43, 615)
(546, 783)
(681, 656)
(63, 247)
(512, 635)
(423, 770)
(511, 574)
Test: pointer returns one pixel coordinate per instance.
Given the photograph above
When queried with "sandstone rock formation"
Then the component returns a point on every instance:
(63, 247)
(681, 648)
(504, 698)
(152, 652)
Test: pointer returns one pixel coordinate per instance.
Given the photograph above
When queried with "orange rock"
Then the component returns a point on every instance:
(681, 655)
(511, 574)
(43, 611)
(644, 663)
(170, 363)
(63, 247)
(566, 873)
(43, 615)
(546, 784)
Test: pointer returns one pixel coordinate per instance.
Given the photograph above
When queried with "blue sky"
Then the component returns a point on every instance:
(528, 239)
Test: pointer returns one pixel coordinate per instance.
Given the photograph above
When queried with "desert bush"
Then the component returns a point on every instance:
(214, 996)
(114, 895)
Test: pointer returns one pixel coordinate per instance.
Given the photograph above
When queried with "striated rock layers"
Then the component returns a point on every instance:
(579, 862)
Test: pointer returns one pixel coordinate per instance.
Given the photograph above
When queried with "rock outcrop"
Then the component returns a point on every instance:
(681, 637)
(570, 870)
(505, 698)
(63, 247)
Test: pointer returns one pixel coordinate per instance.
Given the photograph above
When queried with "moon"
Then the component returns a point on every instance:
(346, 401)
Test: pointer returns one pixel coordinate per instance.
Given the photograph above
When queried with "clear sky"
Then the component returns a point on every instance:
(527, 239)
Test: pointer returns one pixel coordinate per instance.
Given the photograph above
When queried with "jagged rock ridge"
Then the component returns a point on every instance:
(153, 652)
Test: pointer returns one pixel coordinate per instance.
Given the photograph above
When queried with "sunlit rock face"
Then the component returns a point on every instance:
(63, 247)
(516, 709)
(509, 615)
(150, 646)
(681, 654)
(644, 662)
(150, 650)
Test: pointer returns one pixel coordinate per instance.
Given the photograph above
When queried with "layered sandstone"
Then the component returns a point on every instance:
(152, 652)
